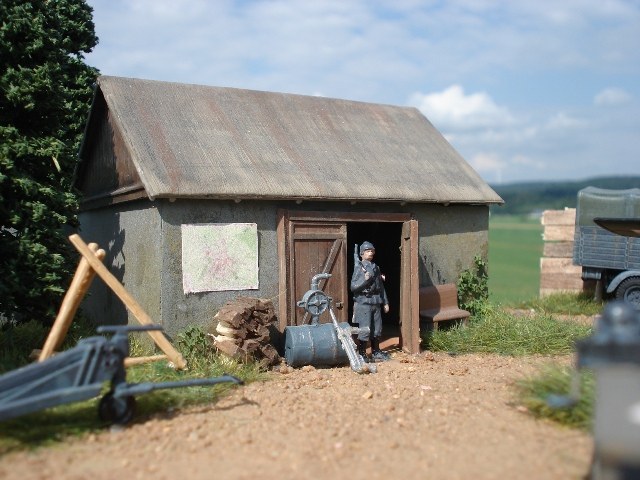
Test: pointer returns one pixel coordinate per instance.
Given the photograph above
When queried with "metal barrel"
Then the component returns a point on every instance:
(316, 345)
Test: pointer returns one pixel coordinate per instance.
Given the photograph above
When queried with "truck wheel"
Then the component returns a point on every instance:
(629, 291)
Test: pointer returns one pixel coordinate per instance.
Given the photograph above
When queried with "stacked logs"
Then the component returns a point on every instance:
(242, 330)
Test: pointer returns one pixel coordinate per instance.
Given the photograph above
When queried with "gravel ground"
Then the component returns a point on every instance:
(421, 416)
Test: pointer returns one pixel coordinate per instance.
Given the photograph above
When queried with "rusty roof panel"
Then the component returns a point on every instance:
(210, 142)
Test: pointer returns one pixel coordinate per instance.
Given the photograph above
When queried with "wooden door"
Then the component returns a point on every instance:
(317, 247)
(409, 308)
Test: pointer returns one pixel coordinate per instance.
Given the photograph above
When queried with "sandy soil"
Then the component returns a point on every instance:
(425, 416)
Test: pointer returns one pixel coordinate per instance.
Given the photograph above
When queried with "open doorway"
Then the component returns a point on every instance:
(386, 237)
(312, 242)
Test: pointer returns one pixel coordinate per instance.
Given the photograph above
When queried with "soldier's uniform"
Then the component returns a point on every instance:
(368, 296)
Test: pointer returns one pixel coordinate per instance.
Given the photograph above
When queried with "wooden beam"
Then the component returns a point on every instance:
(558, 233)
(558, 250)
(349, 216)
(135, 308)
(283, 295)
(76, 292)
(559, 217)
(130, 361)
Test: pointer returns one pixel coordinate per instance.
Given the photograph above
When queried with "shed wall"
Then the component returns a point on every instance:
(131, 235)
(450, 237)
(145, 250)
(179, 310)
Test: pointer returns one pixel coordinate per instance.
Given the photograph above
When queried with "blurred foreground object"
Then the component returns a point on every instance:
(613, 353)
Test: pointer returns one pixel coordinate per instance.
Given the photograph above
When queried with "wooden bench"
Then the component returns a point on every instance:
(440, 303)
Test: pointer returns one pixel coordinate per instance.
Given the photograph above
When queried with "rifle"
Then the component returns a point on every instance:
(357, 263)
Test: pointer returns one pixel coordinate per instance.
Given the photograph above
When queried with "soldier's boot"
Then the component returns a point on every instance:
(378, 355)
(362, 350)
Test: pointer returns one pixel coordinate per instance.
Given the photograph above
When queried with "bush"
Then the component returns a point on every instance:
(473, 287)
(17, 341)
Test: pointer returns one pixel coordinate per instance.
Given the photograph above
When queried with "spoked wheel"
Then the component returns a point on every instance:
(118, 410)
(629, 291)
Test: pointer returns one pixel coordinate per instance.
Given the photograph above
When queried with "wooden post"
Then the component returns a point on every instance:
(76, 292)
(129, 361)
(135, 308)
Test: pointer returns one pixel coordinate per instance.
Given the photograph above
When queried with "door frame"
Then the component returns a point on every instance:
(409, 309)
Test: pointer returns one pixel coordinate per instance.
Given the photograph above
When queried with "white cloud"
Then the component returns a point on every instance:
(612, 97)
(506, 82)
(563, 121)
(452, 109)
(485, 162)
(494, 167)
(490, 166)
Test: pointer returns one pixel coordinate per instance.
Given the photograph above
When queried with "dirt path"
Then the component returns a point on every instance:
(428, 416)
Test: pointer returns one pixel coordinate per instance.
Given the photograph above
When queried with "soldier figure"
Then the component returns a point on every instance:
(368, 295)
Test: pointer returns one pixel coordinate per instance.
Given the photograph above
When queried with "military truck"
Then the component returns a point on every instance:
(607, 255)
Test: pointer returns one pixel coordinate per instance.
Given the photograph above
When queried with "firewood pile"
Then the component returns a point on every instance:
(242, 330)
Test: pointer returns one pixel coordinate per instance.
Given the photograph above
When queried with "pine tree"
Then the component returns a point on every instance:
(45, 93)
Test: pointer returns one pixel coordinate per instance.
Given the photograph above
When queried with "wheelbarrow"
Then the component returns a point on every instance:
(80, 373)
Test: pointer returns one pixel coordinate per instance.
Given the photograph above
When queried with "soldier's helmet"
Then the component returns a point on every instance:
(366, 246)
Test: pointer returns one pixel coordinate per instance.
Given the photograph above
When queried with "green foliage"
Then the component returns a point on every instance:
(553, 379)
(209, 365)
(45, 93)
(515, 248)
(504, 333)
(565, 303)
(527, 197)
(193, 343)
(473, 287)
(19, 339)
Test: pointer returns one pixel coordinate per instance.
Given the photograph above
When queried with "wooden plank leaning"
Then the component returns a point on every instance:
(112, 282)
(76, 292)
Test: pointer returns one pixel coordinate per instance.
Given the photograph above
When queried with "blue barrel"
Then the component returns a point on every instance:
(314, 345)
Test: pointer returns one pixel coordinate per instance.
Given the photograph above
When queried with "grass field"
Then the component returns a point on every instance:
(515, 248)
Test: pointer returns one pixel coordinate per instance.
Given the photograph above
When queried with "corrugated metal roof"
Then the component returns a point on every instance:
(210, 142)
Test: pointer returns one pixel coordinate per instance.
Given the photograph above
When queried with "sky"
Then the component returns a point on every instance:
(525, 90)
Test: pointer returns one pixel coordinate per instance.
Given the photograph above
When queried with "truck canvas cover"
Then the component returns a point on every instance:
(593, 245)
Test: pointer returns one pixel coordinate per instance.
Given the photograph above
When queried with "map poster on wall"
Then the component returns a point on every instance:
(219, 256)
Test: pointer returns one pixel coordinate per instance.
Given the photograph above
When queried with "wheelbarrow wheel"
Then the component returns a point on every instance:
(118, 410)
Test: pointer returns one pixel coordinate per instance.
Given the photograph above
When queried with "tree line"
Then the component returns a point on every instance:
(531, 197)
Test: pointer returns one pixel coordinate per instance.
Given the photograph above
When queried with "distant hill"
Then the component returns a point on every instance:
(530, 197)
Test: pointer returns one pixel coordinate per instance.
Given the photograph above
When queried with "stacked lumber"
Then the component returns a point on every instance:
(557, 271)
(242, 330)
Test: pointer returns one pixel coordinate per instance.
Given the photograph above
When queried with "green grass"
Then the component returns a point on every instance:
(567, 303)
(504, 333)
(515, 248)
(534, 393)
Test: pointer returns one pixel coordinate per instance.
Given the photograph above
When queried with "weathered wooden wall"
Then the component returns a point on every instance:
(557, 272)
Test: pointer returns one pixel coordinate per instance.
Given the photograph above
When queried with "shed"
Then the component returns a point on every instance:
(201, 194)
